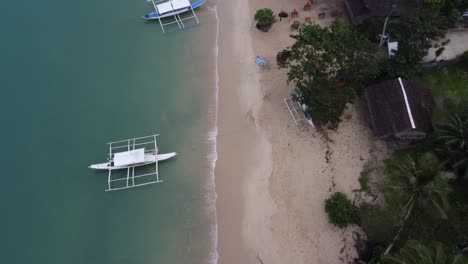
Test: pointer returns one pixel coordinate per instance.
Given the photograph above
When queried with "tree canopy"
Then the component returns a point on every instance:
(417, 30)
(423, 184)
(452, 133)
(415, 252)
(329, 66)
(265, 18)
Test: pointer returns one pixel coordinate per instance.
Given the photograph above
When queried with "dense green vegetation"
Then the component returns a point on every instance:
(419, 28)
(449, 82)
(341, 212)
(329, 66)
(423, 201)
(452, 135)
(425, 186)
(415, 252)
(464, 58)
(449, 85)
(265, 18)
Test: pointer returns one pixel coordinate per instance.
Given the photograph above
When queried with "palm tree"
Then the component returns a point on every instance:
(422, 182)
(414, 252)
(453, 134)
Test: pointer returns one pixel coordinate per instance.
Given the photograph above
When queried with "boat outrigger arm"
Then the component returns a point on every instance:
(173, 8)
(138, 153)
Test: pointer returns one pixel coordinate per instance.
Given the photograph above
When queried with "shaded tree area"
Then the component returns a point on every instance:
(420, 27)
(423, 201)
(452, 138)
(329, 66)
(415, 252)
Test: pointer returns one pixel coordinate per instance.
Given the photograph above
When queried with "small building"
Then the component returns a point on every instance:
(392, 47)
(359, 10)
(399, 109)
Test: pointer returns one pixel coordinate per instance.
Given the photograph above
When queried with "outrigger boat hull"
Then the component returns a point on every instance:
(149, 159)
(156, 15)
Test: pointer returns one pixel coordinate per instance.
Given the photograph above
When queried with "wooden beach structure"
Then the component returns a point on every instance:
(299, 112)
(399, 109)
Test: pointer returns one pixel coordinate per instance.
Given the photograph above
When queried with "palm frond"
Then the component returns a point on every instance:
(439, 254)
(393, 260)
(440, 208)
(460, 259)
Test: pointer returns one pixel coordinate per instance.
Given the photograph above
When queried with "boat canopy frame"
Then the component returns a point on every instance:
(296, 111)
(174, 8)
(149, 144)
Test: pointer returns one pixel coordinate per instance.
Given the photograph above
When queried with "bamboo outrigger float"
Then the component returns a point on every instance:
(139, 152)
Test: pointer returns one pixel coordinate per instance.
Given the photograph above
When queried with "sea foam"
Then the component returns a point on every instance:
(212, 136)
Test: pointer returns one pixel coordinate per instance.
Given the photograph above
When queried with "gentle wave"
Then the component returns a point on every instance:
(211, 194)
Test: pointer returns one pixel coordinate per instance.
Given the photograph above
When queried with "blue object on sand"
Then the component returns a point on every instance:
(260, 61)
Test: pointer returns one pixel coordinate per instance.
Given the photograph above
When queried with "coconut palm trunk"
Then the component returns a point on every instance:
(402, 226)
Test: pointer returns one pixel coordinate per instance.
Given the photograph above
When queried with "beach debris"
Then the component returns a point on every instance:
(295, 25)
(283, 14)
(336, 13)
(294, 13)
(259, 259)
(282, 57)
(260, 61)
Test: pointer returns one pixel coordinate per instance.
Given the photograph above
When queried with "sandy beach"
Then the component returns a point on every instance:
(272, 176)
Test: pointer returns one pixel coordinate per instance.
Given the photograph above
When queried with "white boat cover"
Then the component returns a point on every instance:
(129, 157)
(164, 8)
(179, 4)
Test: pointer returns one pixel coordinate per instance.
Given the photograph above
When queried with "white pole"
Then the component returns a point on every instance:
(408, 108)
(383, 31)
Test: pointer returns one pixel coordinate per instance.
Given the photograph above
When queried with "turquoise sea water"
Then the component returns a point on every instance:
(75, 75)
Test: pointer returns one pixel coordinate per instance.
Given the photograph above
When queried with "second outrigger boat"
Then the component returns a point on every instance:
(173, 9)
(170, 9)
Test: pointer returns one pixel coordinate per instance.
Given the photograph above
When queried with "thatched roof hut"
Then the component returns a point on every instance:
(399, 108)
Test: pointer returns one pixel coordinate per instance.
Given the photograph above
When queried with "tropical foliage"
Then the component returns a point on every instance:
(265, 18)
(341, 212)
(423, 185)
(329, 66)
(464, 58)
(416, 30)
(415, 252)
(420, 27)
(452, 133)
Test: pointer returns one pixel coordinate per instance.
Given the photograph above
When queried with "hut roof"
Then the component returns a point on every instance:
(393, 115)
(359, 10)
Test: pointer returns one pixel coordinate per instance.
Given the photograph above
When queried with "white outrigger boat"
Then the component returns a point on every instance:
(136, 155)
(173, 9)
(132, 158)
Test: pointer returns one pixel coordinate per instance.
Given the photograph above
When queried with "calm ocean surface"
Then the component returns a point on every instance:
(75, 75)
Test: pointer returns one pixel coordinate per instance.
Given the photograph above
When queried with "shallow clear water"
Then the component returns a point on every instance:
(75, 75)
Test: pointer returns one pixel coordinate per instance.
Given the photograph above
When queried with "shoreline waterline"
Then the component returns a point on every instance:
(212, 138)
